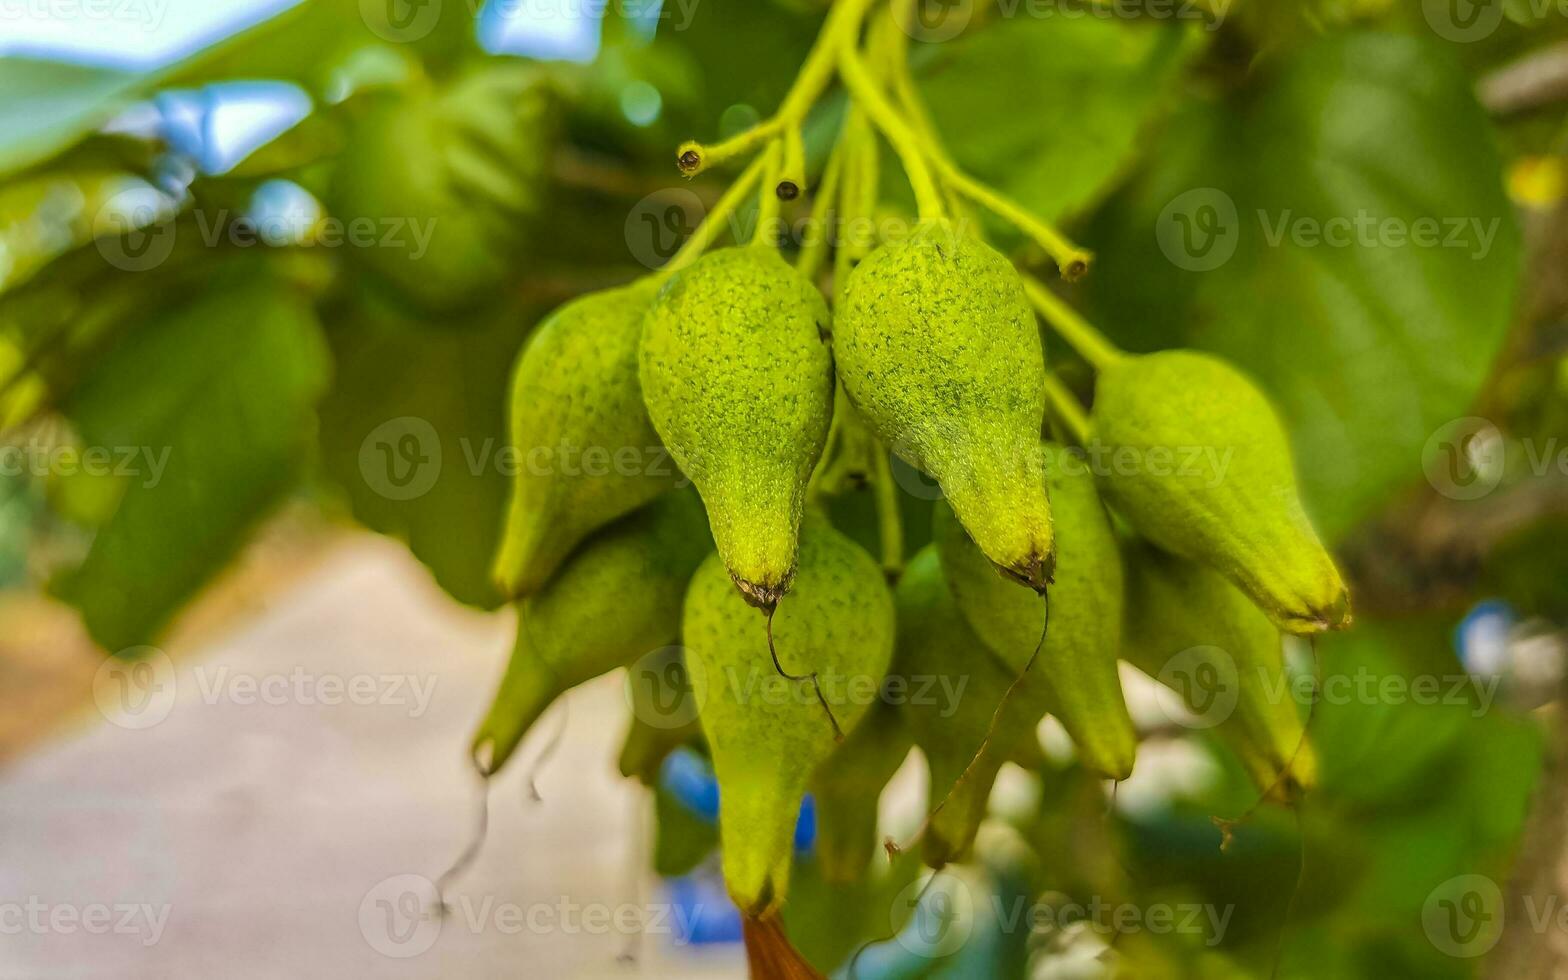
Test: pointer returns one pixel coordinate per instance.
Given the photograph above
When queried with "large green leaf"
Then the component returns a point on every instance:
(1049, 109)
(1369, 346)
(221, 390)
(444, 491)
(47, 106)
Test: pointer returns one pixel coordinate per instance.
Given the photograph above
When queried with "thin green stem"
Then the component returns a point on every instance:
(1065, 406)
(1072, 327)
(890, 520)
(713, 225)
(814, 250)
(1072, 260)
(768, 199)
(843, 21)
(911, 153)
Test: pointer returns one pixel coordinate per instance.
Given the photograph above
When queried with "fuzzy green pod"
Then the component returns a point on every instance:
(1209, 477)
(657, 728)
(939, 654)
(938, 348)
(847, 788)
(615, 600)
(1077, 665)
(576, 414)
(1195, 632)
(768, 734)
(739, 383)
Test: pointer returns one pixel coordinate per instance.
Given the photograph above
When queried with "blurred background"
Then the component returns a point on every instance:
(264, 267)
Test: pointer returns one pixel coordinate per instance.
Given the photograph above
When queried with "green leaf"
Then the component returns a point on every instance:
(48, 106)
(1367, 347)
(214, 399)
(1048, 110)
(444, 492)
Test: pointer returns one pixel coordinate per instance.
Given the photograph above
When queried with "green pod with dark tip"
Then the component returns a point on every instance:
(616, 599)
(939, 350)
(1200, 466)
(738, 379)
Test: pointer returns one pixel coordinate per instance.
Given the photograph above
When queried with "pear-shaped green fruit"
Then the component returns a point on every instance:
(768, 734)
(938, 348)
(1077, 663)
(847, 788)
(664, 715)
(955, 686)
(739, 383)
(1195, 632)
(1200, 465)
(615, 600)
(442, 189)
(586, 451)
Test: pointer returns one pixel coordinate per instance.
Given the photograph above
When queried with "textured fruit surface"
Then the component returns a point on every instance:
(939, 349)
(461, 170)
(1211, 479)
(847, 787)
(938, 653)
(768, 734)
(1077, 666)
(587, 453)
(615, 600)
(1198, 634)
(739, 383)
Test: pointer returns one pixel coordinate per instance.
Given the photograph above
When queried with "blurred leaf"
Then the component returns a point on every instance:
(683, 839)
(1367, 349)
(453, 384)
(1049, 109)
(48, 106)
(215, 399)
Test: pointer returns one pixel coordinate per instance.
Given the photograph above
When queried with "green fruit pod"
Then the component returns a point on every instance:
(1196, 633)
(769, 734)
(586, 452)
(1077, 665)
(954, 686)
(739, 383)
(847, 789)
(615, 600)
(939, 350)
(1199, 464)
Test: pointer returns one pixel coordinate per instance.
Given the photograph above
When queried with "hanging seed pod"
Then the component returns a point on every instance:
(938, 348)
(1210, 478)
(847, 787)
(1077, 666)
(587, 453)
(738, 380)
(940, 655)
(616, 599)
(1193, 631)
(768, 734)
